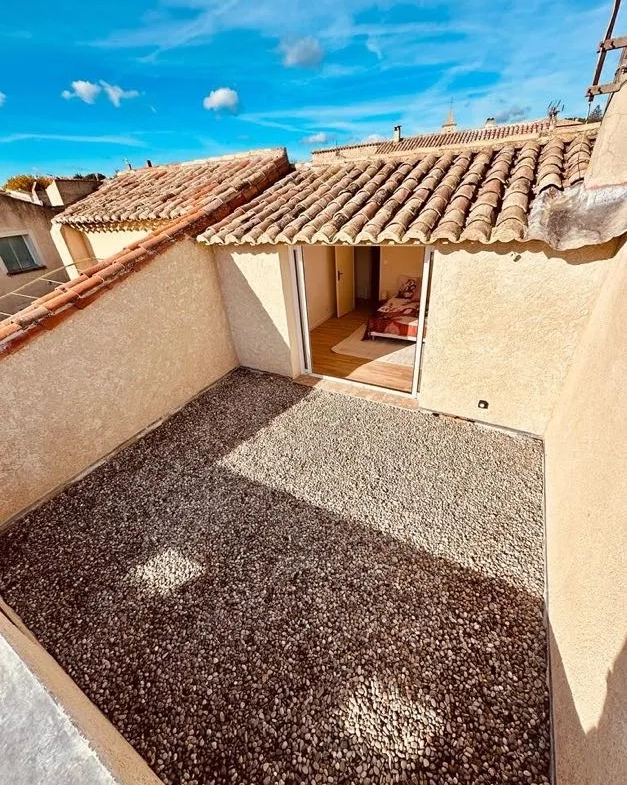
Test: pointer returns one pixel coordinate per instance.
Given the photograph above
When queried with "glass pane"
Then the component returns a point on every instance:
(16, 255)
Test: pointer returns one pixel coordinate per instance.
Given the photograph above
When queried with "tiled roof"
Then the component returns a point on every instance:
(156, 193)
(483, 195)
(445, 139)
(247, 180)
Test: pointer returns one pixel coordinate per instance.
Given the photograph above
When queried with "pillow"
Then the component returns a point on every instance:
(408, 288)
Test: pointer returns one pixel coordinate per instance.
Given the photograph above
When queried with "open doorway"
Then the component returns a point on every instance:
(365, 309)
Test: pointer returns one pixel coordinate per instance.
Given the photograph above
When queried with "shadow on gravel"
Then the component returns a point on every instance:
(236, 634)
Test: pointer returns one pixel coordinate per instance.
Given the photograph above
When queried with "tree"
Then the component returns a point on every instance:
(596, 115)
(91, 176)
(25, 182)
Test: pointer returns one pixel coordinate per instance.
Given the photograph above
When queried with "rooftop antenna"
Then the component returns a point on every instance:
(555, 107)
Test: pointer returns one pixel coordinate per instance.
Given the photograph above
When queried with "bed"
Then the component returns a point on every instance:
(398, 316)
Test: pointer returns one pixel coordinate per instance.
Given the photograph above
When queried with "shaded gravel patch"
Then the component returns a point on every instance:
(285, 586)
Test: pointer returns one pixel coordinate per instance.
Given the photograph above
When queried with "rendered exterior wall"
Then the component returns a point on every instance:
(63, 192)
(257, 287)
(20, 217)
(80, 249)
(503, 325)
(71, 395)
(586, 523)
(106, 243)
(608, 165)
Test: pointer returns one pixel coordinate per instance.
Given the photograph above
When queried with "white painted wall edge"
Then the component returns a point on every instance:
(125, 765)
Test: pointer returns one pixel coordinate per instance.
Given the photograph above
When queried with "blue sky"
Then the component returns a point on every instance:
(84, 86)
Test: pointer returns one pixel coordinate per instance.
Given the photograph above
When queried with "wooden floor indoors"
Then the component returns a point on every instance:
(357, 369)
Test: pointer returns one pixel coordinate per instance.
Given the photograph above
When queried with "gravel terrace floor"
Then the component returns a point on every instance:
(281, 585)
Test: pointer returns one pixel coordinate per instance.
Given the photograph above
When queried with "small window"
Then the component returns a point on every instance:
(17, 255)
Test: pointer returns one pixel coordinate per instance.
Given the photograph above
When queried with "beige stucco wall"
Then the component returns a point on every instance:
(64, 192)
(80, 249)
(319, 265)
(397, 260)
(106, 243)
(503, 325)
(72, 394)
(586, 523)
(258, 294)
(19, 217)
(608, 165)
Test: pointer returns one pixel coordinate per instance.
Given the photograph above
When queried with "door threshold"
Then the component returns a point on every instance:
(362, 390)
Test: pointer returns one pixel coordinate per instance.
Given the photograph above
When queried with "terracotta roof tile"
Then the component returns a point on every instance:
(164, 193)
(484, 195)
(234, 181)
(458, 139)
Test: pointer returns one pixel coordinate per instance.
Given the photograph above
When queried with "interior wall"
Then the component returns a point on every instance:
(363, 262)
(586, 522)
(503, 325)
(319, 264)
(258, 294)
(72, 394)
(397, 260)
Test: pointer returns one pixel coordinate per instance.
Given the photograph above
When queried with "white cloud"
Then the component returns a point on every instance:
(116, 94)
(129, 141)
(222, 98)
(372, 138)
(89, 92)
(3, 99)
(86, 91)
(373, 45)
(490, 40)
(512, 114)
(319, 138)
(302, 53)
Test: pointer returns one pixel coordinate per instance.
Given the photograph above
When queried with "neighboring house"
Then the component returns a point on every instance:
(135, 203)
(26, 247)
(518, 247)
(27, 250)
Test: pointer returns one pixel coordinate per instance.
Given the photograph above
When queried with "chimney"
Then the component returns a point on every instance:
(397, 133)
(490, 122)
(608, 164)
(148, 163)
(449, 124)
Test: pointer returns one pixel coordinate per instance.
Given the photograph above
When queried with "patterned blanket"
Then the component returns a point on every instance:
(398, 317)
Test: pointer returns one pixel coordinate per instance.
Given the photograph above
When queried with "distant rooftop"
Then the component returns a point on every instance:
(450, 138)
(173, 191)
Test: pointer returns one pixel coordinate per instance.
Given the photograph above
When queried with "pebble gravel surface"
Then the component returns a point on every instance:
(280, 585)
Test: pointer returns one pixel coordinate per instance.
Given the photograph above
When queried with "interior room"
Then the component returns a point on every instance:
(363, 308)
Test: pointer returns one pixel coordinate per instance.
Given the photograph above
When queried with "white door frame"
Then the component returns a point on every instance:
(297, 268)
(420, 334)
